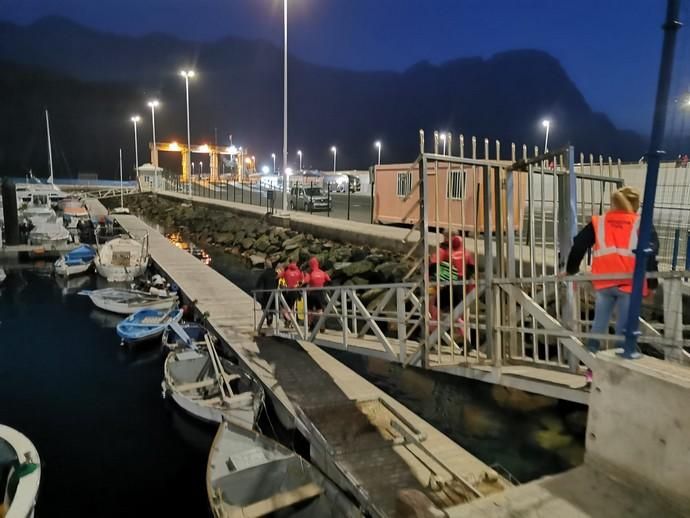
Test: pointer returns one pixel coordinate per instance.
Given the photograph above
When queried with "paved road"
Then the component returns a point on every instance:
(360, 205)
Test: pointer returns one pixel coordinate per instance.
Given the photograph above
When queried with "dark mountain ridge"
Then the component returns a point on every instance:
(92, 82)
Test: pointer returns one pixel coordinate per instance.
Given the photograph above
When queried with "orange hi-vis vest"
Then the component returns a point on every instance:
(616, 234)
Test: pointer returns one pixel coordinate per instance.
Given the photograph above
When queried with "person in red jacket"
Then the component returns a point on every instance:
(293, 278)
(316, 278)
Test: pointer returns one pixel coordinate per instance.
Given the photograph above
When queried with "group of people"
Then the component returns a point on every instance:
(291, 278)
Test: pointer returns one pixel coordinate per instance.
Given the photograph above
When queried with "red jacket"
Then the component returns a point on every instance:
(292, 275)
(317, 278)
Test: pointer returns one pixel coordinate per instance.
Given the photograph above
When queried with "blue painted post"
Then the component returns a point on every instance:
(676, 246)
(671, 27)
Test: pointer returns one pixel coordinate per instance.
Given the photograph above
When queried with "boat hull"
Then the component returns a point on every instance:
(119, 273)
(65, 270)
(128, 308)
(135, 329)
(24, 502)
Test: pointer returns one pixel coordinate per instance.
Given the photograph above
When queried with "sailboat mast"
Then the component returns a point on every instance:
(122, 200)
(50, 150)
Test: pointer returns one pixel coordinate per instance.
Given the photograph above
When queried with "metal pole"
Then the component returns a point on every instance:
(671, 27)
(335, 156)
(155, 150)
(136, 151)
(189, 137)
(122, 199)
(348, 197)
(546, 140)
(285, 101)
(50, 150)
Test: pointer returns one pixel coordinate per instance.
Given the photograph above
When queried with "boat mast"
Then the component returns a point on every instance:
(50, 150)
(122, 202)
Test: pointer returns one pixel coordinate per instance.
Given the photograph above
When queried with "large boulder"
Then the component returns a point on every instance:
(224, 238)
(293, 243)
(262, 243)
(247, 243)
(257, 259)
(360, 268)
(387, 270)
(340, 254)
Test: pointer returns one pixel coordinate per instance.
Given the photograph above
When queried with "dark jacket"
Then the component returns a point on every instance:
(585, 240)
(268, 280)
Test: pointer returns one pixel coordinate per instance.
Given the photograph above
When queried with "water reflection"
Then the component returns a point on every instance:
(177, 239)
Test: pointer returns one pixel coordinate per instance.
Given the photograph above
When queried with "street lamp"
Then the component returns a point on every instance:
(136, 119)
(377, 144)
(153, 104)
(299, 154)
(334, 150)
(285, 101)
(187, 74)
(547, 124)
(273, 156)
(443, 138)
(201, 169)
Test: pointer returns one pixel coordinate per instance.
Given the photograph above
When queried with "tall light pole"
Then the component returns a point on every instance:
(201, 169)
(547, 124)
(443, 138)
(285, 101)
(377, 144)
(334, 150)
(187, 74)
(299, 154)
(153, 104)
(273, 156)
(136, 119)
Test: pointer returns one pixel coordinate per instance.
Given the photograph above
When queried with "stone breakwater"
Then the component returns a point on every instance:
(255, 239)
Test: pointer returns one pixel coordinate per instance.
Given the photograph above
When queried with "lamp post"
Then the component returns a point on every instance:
(153, 104)
(334, 150)
(299, 154)
(547, 124)
(187, 74)
(378, 147)
(443, 138)
(285, 100)
(201, 169)
(136, 119)
(273, 156)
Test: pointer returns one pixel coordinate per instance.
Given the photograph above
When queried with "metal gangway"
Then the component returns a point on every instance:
(518, 322)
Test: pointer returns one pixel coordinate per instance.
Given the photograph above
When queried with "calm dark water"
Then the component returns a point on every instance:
(111, 446)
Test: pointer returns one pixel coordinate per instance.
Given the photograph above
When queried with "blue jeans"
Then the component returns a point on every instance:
(606, 301)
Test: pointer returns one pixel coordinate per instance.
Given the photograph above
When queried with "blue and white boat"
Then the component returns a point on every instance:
(75, 262)
(147, 324)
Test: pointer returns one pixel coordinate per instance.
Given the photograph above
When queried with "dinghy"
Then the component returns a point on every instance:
(122, 259)
(184, 334)
(146, 324)
(75, 262)
(126, 302)
(212, 388)
(20, 474)
(249, 474)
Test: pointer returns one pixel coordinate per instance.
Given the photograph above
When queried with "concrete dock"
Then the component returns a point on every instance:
(413, 450)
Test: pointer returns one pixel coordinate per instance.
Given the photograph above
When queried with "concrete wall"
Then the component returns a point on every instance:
(639, 424)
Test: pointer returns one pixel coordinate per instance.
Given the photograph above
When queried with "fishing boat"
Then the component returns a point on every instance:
(126, 302)
(20, 474)
(249, 474)
(49, 234)
(146, 324)
(184, 334)
(73, 211)
(122, 259)
(211, 388)
(75, 262)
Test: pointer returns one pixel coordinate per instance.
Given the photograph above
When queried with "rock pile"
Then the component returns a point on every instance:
(256, 240)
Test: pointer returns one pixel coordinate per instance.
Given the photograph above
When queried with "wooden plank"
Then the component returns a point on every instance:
(281, 500)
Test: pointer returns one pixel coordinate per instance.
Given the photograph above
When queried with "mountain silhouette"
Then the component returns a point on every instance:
(92, 82)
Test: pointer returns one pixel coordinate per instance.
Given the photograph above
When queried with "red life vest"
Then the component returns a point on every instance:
(292, 276)
(317, 278)
(616, 234)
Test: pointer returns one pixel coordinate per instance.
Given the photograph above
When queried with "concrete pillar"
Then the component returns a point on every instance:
(213, 165)
(184, 153)
(639, 424)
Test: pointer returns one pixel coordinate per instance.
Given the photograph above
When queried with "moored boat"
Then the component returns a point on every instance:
(20, 474)
(126, 302)
(212, 388)
(146, 324)
(184, 334)
(122, 259)
(76, 261)
(49, 234)
(249, 474)
(3, 275)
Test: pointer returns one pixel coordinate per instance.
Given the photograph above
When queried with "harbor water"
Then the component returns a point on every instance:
(111, 445)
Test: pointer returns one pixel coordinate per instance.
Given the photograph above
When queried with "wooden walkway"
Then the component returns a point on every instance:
(420, 449)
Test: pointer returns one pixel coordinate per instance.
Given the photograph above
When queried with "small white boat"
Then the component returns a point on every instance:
(19, 459)
(249, 474)
(49, 234)
(212, 388)
(73, 211)
(3, 275)
(126, 302)
(75, 262)
(122, 259)
(38, 214)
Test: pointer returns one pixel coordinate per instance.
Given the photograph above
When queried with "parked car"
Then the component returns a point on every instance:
(309, 199)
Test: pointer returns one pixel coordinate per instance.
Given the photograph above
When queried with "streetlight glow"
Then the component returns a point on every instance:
(273, 156)
(299, 154)
(265, 169)
(334, 150)
(136, 119)
(377, 144)
(443, 138)
(187, 74)
(547, 124)
(153, 104)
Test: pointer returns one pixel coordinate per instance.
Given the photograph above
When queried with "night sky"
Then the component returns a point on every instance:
(610, 48)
